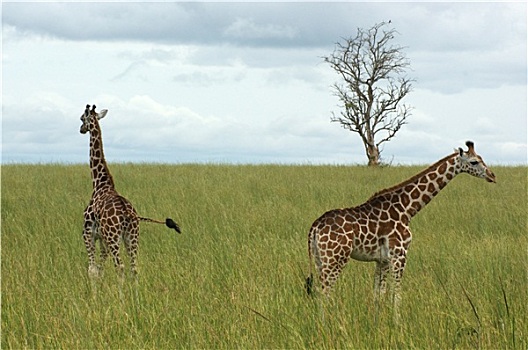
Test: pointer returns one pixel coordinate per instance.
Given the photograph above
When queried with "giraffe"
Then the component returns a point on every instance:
(109, 216)
(378, 230)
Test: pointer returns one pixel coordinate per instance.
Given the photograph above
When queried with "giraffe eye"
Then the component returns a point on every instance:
(474, 162)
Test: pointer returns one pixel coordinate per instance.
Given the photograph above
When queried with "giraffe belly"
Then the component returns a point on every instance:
(366, 254)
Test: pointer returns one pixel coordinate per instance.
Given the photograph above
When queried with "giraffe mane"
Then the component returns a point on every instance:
(102, 159)
(413, 178)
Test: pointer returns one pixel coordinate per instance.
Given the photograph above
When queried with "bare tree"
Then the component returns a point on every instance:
(373, 85)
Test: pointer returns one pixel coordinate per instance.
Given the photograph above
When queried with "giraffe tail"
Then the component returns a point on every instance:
(309, 285)
(168, 222)
(309, 280)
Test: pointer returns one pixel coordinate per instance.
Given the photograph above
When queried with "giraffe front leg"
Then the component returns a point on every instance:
(380, 284)
(380, 279)
(398, 266)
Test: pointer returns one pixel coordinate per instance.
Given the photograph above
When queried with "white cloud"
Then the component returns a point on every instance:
(245, 82)
(511, 152)
(247, 28)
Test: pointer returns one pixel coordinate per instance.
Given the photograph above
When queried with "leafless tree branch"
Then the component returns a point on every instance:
(373, 84)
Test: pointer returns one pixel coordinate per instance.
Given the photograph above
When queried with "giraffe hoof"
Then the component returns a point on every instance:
(94, 271)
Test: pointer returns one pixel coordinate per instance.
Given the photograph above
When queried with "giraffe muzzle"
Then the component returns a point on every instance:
(490, 177)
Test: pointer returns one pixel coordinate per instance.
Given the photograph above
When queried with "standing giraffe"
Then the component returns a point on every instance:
(378, 230)
(109, 216)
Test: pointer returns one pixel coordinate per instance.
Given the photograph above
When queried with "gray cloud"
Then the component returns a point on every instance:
(269, 24)
(246, 80)
(442, 40)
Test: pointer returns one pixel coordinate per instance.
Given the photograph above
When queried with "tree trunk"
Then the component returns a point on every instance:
(373, 155)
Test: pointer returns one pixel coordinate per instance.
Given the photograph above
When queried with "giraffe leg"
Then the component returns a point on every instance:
(103, 255)
(112, 240)
(89, 234)
(380, 284)
(113, 247)
(120, 267)
(398, 266)
(131, 236)
(329, 272)
(380, 279)
(382, 269)
(318, 264)
(89, 242)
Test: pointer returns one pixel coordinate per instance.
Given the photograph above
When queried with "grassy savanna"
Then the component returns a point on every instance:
(235, 277)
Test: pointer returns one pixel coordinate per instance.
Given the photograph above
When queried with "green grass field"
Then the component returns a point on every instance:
(234, 279)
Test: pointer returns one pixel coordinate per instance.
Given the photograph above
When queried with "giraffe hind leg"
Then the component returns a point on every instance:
(131, 236)
(103, 255)
(120, 267)
(313, 252)
(93, 269)
(112, 239)
(89, 242)
(330, 271)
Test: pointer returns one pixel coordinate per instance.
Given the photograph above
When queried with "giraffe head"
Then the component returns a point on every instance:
(471, 163)
(89, 116)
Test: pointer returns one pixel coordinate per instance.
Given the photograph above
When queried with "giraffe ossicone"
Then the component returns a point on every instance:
(109, 217)
(378, 230)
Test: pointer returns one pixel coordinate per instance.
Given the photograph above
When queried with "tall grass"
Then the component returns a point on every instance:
(234, 278)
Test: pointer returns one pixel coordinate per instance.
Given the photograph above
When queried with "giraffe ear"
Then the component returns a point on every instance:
(102, 114)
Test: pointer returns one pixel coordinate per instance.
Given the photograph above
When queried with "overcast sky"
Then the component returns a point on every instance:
(245, 82)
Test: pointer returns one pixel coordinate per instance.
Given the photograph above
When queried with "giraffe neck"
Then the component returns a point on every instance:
(409, 197)
(101, 176)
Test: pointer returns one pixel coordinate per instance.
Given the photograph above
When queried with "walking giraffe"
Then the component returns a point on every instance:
(109, 216)
(378, 230)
